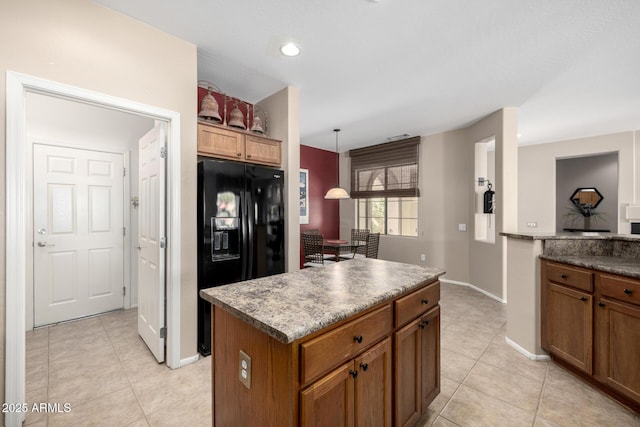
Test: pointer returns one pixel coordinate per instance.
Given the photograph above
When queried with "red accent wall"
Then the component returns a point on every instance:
(323, 214)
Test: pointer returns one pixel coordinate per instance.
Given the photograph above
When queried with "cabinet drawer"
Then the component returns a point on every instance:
(576, 278)
(626, 290)
(328, 350)
(413, 305)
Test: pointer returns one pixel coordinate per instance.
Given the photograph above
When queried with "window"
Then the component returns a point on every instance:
(384, 180)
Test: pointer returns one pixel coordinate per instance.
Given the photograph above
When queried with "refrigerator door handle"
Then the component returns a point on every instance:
(251, 217)
(244, 240)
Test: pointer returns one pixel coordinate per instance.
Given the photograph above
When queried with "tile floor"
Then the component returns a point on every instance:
(102, 368)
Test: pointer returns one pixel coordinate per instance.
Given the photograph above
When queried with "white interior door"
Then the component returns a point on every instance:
(78, 237)
(151, 243)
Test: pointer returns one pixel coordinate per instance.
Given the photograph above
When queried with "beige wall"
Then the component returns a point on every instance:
(447, 199)
(79, 43)
(537, 185)
(441, 207)
(487, 261)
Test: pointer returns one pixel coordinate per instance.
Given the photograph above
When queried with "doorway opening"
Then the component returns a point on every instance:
(18, 225)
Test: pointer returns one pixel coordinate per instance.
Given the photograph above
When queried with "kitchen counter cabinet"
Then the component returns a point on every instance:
(321, 344)
(357, 393)
(591, 325)
(617, 315)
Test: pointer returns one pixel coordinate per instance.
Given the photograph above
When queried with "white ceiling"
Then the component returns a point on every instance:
(380, 69)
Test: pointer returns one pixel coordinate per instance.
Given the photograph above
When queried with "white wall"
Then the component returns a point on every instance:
(537, 182)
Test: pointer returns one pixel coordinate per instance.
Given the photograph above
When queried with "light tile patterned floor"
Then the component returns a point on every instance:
(484, 382)
(105, 371)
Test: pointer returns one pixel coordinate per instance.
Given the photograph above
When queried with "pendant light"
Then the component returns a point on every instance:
(337, 192)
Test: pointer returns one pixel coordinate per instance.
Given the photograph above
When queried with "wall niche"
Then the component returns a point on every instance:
(597, 171)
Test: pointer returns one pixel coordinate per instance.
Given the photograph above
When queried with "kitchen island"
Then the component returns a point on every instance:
(353, 343)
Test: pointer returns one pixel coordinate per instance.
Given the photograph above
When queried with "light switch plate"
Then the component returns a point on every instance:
(244, 370)
(462, 227)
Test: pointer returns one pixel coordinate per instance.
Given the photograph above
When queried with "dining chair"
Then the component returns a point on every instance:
(313, 249)
(373, 242)
(359, 236)
(311, 231)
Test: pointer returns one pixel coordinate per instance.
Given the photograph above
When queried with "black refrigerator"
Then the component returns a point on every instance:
(240, 229)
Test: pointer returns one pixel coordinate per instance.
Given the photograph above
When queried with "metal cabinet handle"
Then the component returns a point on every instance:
(564, 276)
(364, 366)
(601, 304)
(353, 373)
(248, 156)
(583, 298)
(358, 339)
(239, 154)
(425, 301)
(628, 291)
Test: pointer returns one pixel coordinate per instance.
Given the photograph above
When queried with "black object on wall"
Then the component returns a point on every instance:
(240, 229)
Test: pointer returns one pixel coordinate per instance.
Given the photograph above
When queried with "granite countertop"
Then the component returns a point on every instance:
(584, 235)
(617, 265)
(293, 305)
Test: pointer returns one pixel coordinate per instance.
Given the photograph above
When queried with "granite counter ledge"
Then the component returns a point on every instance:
(293, 305)
(541, 235)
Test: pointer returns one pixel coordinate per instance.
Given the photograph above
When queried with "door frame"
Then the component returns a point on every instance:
(18, 203)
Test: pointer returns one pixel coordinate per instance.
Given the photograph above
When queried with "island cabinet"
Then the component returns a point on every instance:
(591, 324)
(378, 367)
(417, 354)
(227, 143)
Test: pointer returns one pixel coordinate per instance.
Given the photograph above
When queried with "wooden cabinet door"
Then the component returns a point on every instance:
(430, 357)
(373, 386)
(329, 402)
(262, 150)
(222, 143)
(570, 325)
(408, 374)
(619, 347)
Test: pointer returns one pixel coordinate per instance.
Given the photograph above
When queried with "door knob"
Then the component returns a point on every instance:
(43, 244)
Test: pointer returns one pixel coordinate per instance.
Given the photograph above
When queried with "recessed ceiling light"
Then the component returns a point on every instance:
(290, 49)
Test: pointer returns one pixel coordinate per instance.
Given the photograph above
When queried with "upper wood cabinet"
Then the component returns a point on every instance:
(226, 143)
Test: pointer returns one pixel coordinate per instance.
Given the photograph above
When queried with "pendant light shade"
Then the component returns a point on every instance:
(337, 192)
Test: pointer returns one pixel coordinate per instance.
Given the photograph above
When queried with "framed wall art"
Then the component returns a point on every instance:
(304, 196)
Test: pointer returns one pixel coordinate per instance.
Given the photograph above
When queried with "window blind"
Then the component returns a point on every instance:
(385, 170)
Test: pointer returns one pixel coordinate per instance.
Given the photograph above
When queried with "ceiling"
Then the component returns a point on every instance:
(378, 69)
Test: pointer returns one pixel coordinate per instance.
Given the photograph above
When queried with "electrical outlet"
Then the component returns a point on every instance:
(462, 227)
(532, 224)
(423, 257)
(245, 369)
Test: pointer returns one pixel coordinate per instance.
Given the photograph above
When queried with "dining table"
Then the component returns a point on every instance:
(338, 246)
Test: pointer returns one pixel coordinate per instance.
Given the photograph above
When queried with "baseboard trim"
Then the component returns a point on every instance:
(523, 351)
(475, 288)
(189, 360)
